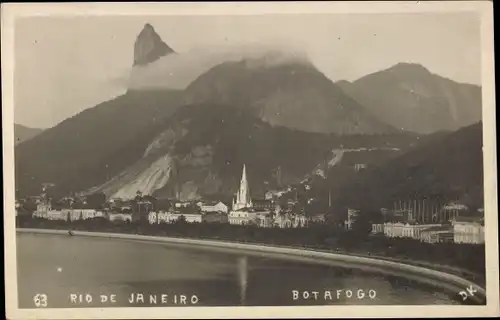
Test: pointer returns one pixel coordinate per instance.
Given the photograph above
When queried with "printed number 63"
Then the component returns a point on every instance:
(40, 300)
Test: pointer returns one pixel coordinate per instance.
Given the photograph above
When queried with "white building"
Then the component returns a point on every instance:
(171, 217)
(406, 230)
(317, 217)
(455, 206)
(274, 194)
(352, 215)
(436, 234)
(158, 217)
(120, 217)
(213, 207)
(468, 230)
(265, 221)
(184, 204)
(359, 166)
(56, 215)
(262, 219)
(377, 228)
(242, 217)
(290, 220)
(42, 209)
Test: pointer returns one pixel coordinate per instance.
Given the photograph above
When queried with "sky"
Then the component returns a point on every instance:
(65, 65)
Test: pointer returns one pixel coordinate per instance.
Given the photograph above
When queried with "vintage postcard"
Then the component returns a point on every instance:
(249, 160)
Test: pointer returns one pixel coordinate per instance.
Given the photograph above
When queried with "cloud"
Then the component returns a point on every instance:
(177, 71)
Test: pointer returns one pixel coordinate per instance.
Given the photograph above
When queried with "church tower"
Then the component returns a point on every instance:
(243, 199)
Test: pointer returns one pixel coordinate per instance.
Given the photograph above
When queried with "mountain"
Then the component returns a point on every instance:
(271, 113)
(201, 149)
(73, 153)
(410, 97)
(149, 46)
(448, 167)
(23, 133)
(285, 92)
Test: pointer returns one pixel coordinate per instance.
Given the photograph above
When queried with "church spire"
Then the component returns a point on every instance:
(243, 199)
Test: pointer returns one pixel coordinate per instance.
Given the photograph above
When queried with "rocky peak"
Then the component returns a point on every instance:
(149, 46)
(410, 68)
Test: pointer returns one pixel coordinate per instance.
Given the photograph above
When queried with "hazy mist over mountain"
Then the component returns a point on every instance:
(179, 70)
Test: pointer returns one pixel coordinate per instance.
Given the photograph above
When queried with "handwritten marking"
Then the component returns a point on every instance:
(469, 292)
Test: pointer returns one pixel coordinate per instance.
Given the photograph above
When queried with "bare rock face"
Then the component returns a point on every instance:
(149, 46)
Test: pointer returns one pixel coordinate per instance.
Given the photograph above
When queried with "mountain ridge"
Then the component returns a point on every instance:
(448, 167)
(80, 144)
(276, 111)
(23, 133)
(409, 96)
(280, 93)
(201, 150)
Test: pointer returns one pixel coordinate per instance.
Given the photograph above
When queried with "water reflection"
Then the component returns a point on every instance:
(243, 278)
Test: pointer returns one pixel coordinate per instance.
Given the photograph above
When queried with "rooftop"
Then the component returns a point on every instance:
(438, 228)
(210, 203)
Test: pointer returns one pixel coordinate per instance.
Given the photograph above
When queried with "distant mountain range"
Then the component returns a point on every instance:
(23, 133)
(410, 97)
(292, 94)
(194, 142)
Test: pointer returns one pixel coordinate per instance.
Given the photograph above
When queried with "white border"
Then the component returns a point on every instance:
(485, 8)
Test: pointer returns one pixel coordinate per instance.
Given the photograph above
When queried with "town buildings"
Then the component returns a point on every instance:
(243, 211)
(214, 206)
(352, 215)
(290, 220)
(263, 205)
(468, 230)
(274, 194)
(119, 217)
(215, 217)
(242, 217)
(406, 230)
(377, 228)
(359, 166)
(437, 234)
(171, 217)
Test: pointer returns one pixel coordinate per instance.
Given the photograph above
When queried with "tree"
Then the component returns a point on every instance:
(29, 205)
(163, 204)
(362, 225)
(181, 219)
(96, 200)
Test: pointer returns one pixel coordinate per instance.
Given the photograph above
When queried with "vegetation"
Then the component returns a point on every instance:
(449, 167)
(93, 146)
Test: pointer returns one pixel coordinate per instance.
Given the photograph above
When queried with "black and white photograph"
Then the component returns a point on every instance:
(161, 160)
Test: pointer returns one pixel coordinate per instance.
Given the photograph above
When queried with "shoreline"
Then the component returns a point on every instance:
(448, 281)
